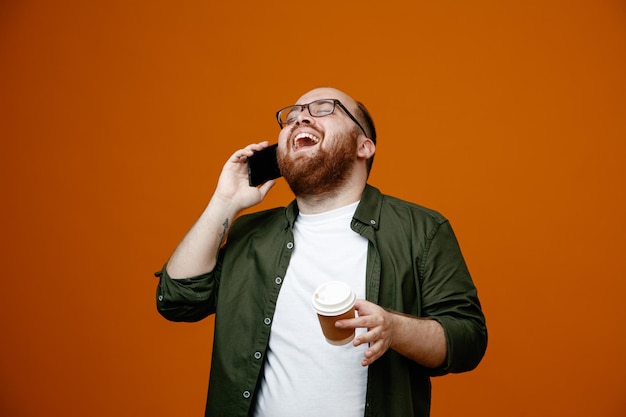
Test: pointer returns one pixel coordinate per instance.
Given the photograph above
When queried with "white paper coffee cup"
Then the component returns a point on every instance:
(334, 300)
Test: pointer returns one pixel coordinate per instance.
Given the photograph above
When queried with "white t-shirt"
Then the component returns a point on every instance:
(304, 375)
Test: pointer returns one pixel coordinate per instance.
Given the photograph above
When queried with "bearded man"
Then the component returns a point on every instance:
(418, 312)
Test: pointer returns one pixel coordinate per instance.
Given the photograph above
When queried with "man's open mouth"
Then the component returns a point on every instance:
(303, 140)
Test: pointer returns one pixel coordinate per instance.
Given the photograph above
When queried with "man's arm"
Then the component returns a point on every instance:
(451, 335)
(419, 339)
(197, 253)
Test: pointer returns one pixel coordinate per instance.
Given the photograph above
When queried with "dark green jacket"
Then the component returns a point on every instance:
(414, 266)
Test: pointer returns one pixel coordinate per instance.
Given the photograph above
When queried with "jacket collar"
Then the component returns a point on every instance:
(367, 212)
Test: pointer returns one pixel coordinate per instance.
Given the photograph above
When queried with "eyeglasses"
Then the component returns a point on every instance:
(317, 108)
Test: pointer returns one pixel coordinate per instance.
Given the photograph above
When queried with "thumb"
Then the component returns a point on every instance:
(266, 187)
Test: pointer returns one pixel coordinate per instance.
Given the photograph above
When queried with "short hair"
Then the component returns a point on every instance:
(364, 116)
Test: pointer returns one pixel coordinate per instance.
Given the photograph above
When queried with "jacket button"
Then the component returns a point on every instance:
(246, 394)
(257, 355)
(267, 321)
(278, 280)
(290, 245)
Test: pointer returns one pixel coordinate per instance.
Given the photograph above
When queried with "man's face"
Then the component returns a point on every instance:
(316, 155)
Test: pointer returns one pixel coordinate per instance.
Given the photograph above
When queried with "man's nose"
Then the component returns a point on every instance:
(304, 116)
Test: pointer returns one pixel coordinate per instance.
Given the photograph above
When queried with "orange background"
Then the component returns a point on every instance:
(116, 117)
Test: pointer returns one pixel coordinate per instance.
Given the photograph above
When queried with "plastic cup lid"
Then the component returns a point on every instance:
(333, 298)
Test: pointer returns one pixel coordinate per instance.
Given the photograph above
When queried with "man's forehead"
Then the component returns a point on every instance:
(320, 93)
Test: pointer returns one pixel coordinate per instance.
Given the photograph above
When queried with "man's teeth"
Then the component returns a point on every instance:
(303, 139)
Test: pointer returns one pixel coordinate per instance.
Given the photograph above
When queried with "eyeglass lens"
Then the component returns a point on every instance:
(318, 108)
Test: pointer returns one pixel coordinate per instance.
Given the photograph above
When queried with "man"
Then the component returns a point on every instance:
(418, 310)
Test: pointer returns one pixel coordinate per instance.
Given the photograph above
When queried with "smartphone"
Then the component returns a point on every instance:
(263, 166)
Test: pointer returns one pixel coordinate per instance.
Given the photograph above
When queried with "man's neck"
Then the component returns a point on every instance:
(341, 197)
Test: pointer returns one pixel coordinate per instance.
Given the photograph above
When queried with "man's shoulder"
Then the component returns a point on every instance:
(396, 206)
(411, 208)
(265, 225)
(262, 217)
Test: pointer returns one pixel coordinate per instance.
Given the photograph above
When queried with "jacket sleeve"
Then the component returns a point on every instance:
(450, 297)
(189, 299)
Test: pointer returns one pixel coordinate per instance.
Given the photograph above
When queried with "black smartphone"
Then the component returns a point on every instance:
(263, 166)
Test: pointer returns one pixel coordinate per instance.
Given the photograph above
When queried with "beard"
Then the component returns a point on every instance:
(324, 172)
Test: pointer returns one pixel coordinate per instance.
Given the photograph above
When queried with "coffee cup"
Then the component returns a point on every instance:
(334, 300)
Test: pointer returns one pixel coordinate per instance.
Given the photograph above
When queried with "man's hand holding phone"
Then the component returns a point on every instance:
(234, 182)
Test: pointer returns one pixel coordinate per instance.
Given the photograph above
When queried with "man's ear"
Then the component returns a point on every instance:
(366, 149)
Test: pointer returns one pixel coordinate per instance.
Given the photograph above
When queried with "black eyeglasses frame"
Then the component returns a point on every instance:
(306, 106)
